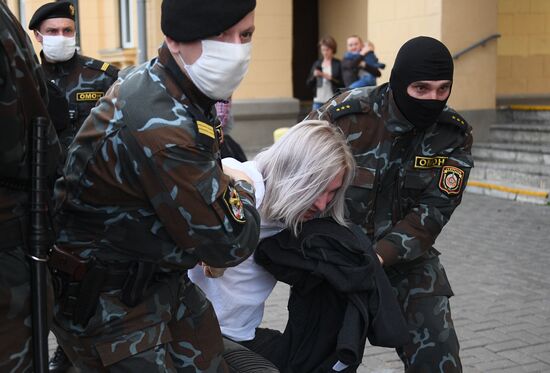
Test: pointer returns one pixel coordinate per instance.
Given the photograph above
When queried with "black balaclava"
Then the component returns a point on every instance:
(421, 58)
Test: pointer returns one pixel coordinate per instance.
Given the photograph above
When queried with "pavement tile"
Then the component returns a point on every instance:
(497, 365)
(518, 357)
(507, 345)
(536, 368)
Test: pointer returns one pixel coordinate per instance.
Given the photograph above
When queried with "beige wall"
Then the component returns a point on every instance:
(524, 48)
(458, 24)
(464, 23)
(13, 5)
(154, 33)
(270, 73)
(392, 22)
(339, 22)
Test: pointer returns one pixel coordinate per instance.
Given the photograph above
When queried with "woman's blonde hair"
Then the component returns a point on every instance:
(297, 170)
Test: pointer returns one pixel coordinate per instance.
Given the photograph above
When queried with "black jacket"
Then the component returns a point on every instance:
(339, 297)
(337, 81)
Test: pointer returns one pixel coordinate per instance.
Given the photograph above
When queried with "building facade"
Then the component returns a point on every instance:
(285, 44)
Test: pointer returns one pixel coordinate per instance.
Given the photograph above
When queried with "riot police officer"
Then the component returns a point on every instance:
(83, 80)
(144, 199)
(413, 159)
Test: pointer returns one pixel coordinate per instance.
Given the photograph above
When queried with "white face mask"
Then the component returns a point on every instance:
(58, 48)
(220, 68)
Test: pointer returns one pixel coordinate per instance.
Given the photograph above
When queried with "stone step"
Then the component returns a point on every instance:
(500, 189)
(255, 121)
(513, 173)
(521, 133)
(525, 113)
(512, 152)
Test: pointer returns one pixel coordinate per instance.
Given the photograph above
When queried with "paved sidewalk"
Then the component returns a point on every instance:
(497, 256)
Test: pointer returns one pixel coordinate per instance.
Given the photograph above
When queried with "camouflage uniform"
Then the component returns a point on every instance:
(407, 185)
(22, 96)
(84, 81)
(144, 200)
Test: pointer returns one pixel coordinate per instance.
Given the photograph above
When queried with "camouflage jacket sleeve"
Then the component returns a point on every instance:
(419, 212)
(422, 221)
(218, 215)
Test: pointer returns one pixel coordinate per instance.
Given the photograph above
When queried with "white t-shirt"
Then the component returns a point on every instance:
(324, 92)
(239, 295)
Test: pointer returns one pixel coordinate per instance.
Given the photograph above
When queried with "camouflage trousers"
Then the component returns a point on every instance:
(173, 329)
(15, 312)
(423, 292)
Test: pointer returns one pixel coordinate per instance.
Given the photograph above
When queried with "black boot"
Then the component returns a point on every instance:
(59, 363)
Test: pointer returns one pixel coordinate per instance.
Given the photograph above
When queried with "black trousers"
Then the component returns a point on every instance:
(241, 359)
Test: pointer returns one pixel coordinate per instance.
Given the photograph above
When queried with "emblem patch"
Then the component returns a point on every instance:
(451, 180)
(429, 162)
(234, 204)
(89, 96)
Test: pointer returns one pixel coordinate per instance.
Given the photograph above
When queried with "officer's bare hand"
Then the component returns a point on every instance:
(236, 174)
(212, 272)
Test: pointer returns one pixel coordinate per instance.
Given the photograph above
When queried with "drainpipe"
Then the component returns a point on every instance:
(142, 31)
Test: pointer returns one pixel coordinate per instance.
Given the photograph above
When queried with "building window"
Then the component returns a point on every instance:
(126, 23)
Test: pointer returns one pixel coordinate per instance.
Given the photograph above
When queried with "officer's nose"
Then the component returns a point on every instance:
(432, 95)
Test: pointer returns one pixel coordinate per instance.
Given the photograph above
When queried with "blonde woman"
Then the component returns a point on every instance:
(302, 176)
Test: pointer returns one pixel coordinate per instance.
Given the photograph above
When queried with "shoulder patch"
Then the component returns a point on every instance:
(452, 118)
(451, 180)
(234, 204)
(107, 68)
(345, 108)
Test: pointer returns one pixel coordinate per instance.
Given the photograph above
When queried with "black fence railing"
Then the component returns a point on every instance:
(479, 43)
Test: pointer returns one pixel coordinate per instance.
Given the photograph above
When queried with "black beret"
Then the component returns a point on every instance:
(190, 20)
(60, 9)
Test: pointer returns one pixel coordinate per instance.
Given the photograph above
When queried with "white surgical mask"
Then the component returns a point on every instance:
(58, 48)
(220, 68)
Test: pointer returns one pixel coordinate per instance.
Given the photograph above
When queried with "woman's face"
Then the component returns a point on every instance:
(325, 198)
(326, 52)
